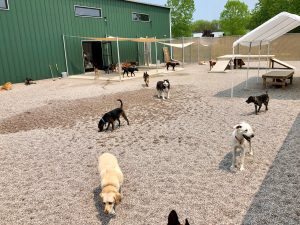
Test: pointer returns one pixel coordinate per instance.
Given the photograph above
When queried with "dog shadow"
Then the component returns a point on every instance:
(144, 85)
(104, 218)
(226, 162)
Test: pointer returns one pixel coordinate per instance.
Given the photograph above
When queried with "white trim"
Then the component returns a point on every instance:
(65, 53)
(7, 6)
(88, 7)
(141, 20)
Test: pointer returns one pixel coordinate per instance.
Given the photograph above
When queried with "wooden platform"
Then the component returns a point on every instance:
(286, 65)
(278, 77)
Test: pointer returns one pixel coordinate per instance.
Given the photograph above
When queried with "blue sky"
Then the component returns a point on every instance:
(206, 9)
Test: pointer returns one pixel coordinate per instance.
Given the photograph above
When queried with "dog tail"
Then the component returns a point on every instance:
(121, 103)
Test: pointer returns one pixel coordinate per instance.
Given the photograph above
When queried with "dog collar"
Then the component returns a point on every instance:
(103, 120)
(240, 141)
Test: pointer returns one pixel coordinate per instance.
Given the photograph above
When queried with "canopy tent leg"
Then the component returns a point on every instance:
(232, 69)
(259, 52)
(198, 54)
(65, 51)
(249, 52)
(182, 51)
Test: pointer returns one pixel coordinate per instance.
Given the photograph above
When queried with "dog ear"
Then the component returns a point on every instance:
(186, 222)
(238, 126)
(118, 198)
(101, 196)
(173, 218)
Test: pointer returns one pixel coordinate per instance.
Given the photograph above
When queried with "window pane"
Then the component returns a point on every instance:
(135, 17)
(144, 17)
(82, 11)
(3, 4)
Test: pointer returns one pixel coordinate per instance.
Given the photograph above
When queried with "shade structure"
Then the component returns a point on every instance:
(270, 30)
(265, 34)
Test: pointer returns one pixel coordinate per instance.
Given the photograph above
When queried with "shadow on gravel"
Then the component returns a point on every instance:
(278, 199)
(104, 218)
(255, 87)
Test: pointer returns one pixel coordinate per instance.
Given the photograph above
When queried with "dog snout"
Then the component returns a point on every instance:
(252, 136)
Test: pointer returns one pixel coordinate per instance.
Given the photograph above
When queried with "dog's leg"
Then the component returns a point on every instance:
(158, 94)
(119, 122)
(259, 107)
(163, 95)
(168, 94)
(255, 109)
(108, 125)
(233, 159)
(250, 148)
(266, 104)
(242, 159)
(125, 117)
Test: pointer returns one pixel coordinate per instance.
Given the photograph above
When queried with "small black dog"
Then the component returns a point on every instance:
(173, 219)
(29, 81)
(173, 64)
(146, 78)
(258, 101)
(129, 69)
(111, 116)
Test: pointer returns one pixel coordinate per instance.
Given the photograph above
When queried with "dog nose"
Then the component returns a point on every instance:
(252, 135)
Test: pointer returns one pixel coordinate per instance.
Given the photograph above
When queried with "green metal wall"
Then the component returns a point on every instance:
(32, 30)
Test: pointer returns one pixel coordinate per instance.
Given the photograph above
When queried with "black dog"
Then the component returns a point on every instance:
(258, 101)
(146, 78)
(29, 81)
(173, 219)
(173, 64)
(129, 69)
(111, 116)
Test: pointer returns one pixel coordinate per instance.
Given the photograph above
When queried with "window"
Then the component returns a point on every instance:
(140, 17)
(3, 4)
(87, 12)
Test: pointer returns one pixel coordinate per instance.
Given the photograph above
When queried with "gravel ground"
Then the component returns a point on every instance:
(175, 154)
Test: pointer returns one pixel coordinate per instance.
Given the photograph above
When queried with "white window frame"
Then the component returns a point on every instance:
(88, 7)
(140, 20)
(7, 6)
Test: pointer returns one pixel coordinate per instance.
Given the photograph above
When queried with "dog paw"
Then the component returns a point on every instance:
(242, 168)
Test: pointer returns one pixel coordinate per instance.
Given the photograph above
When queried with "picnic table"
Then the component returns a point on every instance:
(278, 77)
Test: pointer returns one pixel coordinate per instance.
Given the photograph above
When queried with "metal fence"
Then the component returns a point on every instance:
(287, 47)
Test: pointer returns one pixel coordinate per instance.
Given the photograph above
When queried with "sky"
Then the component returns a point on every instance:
(206, 9)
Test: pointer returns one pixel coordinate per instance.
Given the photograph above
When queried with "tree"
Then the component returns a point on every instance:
(266, 9)
(181, 14)
(201, 25)
(234, 18)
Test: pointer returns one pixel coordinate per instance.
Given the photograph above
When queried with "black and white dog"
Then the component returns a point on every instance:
(111, 116)
(129, 69)
(258, 101)
(163, 87)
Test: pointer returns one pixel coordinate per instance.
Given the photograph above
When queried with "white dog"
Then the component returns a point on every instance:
(111, 181)
(242, 132)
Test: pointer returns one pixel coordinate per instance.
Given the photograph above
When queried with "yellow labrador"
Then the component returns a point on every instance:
(111, 181)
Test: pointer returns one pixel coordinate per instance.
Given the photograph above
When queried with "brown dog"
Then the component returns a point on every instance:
(146, 78)
(7, 86)
(211, 64)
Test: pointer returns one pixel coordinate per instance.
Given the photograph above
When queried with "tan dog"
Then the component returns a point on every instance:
(97, 73)
(7, 86)
(111, 181)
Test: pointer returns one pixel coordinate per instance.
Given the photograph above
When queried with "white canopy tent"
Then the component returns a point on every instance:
(266, 33)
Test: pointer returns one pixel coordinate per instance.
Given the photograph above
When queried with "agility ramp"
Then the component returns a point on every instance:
(284, 64)
(220, 66)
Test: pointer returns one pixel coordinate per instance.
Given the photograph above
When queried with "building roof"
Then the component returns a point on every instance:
(144, 3)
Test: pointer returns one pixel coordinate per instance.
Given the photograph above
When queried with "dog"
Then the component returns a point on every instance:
(211, 64)
(129, 69)
(110, 68)
(7, 86)
(111, 181)
(258, 101)
(163, 87)
(111, 116)
(242, 132)
(173, 219)
(29, 81)
(97, 73)
(146, 78)
(173, 64)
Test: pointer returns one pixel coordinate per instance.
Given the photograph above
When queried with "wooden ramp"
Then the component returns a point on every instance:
(288, 66)
(220, 66)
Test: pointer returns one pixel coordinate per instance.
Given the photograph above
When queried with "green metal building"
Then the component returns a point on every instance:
(38, 33)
